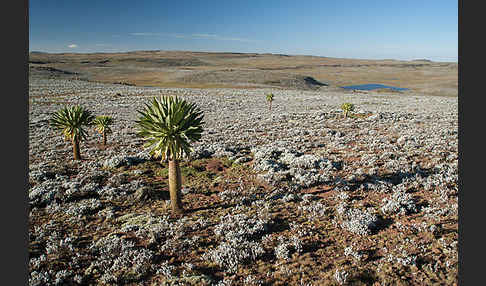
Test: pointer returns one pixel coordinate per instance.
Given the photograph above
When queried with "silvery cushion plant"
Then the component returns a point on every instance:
(169, 125)
(240, 239)
(103, 123)
(347, 107)
(71, 120)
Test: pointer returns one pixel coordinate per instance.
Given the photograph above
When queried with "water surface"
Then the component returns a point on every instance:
(371, 86)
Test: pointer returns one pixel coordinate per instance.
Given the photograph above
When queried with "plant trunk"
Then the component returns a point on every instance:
(270, 106)
(104, 138)
(345, 114)
(175, 187)
(77, 155)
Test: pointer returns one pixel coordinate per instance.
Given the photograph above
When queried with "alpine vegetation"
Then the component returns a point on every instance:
(284, 166)
(347, 107)
(301, 198)
(399, 202)
(169, 125)
(120, 261)
(71, 120)
(103, 123)
(313, 210)
(269, 98)
(361, 222)
(240, 243)
(341, 276)
(285, 245)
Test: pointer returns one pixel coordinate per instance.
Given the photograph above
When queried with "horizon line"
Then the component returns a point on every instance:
(227, 52)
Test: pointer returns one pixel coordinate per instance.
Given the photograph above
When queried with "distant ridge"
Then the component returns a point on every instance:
(210, 69)
(422, 60)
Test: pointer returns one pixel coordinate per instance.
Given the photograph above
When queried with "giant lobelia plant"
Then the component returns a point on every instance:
(169, 125)
(71, 120)
(347, 107)
(269, 98)
(103, 123)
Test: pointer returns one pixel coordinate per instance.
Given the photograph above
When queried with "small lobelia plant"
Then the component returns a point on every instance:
(347, 107)
(71, 120)
(269, 98)
(169, 125)
(103, 123)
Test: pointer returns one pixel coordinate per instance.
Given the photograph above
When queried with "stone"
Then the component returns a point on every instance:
(142, 194)
(242, 160)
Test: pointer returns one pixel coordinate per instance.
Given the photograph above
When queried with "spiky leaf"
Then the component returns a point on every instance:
(169, 125)
(347, 106)
(71, 120)
(103, 123)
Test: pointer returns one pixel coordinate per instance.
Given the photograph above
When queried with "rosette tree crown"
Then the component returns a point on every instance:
(71, 121)
(103, 123)
(169, 125)
(347, 107)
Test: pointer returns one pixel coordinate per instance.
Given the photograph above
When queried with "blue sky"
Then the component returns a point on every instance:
(364, 29)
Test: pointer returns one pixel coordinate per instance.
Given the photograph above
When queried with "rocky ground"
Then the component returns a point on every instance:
(293, 196)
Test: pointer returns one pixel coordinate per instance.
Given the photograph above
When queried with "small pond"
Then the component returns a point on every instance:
(371, 86)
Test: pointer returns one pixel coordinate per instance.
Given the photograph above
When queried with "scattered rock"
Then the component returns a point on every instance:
(142, 194)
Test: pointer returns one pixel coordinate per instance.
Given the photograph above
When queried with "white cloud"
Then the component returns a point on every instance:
(206, 36)
(72, 46)
(145, 34)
